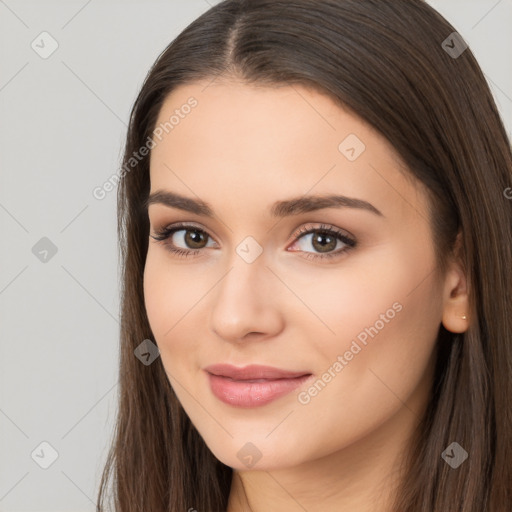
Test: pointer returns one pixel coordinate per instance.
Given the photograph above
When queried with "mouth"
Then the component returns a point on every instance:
(254, 385)
(253, 372)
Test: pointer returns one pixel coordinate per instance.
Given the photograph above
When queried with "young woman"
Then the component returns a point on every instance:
(315, 222)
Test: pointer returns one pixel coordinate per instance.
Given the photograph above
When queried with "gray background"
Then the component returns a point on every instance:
(63, 121)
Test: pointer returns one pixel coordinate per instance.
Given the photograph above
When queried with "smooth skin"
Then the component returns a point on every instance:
(242, 148)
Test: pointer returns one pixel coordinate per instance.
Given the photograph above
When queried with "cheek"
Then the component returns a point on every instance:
(364, 298)
(167, 295)
(385, 317)
(156, 294)
(388, 299)
(175, 297)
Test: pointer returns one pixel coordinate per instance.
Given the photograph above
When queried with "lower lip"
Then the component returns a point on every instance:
(252, 394)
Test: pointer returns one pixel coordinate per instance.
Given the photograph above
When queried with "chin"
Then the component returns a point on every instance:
(254, 454)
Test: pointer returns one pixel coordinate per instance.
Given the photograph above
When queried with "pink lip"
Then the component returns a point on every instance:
(253, 385)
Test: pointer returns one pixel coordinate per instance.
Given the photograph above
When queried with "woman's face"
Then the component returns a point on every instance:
(354, 304)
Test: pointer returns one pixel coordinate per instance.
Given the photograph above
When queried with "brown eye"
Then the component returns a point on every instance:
(324, 240)
(187, 240)
(183, 240)
(194, 238)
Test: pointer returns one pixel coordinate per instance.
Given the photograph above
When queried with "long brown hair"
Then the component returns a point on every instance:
(386, 61)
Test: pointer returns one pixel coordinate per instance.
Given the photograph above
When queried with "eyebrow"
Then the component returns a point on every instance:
(285, 208)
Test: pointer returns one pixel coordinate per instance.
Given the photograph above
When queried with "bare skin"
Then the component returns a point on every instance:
(241, 149)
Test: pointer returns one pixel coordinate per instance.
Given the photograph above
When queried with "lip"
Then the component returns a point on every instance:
(253, 385)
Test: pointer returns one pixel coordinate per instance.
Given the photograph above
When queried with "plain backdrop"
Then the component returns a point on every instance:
(62, 126)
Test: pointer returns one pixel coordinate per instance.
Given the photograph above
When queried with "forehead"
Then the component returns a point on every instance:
(234, 115)
(265, 142)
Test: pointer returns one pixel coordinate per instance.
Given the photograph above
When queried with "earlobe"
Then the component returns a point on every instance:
(455, 300)
(455, 319)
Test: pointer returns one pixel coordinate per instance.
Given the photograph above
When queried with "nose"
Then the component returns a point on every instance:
(246, 303)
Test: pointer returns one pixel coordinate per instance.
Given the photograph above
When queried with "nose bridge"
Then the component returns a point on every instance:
(243, 284)
(243, 302)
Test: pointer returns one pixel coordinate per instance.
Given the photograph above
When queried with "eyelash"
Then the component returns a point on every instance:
(165, 233)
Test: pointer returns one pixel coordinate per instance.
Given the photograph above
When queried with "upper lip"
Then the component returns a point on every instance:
(253, 371)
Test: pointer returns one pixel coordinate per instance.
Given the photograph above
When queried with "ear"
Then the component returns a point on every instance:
(455, 293)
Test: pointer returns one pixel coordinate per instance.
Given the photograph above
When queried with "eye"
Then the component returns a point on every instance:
(323, 239)
(188, 235)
